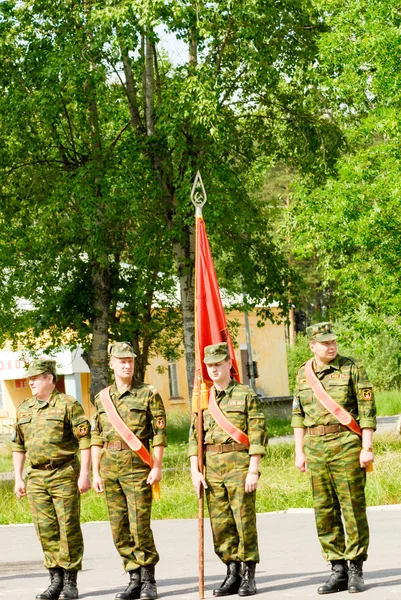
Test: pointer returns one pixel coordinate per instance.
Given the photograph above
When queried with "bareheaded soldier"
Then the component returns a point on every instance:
(51, 428)
(122, 473)
(336, 455)
(232, 471)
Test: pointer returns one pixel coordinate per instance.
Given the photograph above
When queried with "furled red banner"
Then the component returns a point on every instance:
(211, 324)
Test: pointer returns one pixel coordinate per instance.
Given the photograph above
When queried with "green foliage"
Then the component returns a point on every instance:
(349, 226)
(100, 139)
(297, 354)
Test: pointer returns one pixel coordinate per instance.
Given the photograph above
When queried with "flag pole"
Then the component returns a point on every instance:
(198, 198)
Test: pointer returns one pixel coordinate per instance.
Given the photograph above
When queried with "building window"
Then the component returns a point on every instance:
(173, 380)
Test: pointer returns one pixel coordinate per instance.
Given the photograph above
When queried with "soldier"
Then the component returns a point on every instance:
(232, 473)
(51, 427)
(335, 455)
(124, 476)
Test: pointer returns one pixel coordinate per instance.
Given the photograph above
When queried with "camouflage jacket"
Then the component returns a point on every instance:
(140, 407)
(347, 383)
(241, 406)
(52, 430)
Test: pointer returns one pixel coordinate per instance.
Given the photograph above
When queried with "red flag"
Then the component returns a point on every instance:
(210, 320)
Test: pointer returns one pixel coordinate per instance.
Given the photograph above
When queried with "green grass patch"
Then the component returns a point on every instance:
(388, 403)
(281, 485)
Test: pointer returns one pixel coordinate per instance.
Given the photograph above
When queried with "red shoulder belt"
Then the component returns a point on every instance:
(220, 418)
(339, 412)
(122, 429)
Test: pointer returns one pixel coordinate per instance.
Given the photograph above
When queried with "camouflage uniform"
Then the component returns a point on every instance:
(338, 481)
(231, 509)
(51, 433)
(124, 474)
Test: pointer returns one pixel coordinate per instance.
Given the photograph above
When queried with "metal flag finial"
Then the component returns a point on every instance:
(198, 194)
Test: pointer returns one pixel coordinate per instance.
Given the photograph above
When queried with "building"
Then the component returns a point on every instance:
(268, 351)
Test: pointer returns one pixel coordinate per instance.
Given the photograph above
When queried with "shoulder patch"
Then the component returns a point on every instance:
(82, 429)
(295, 403)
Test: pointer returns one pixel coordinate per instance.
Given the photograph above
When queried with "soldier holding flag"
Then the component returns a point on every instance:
(232, 470)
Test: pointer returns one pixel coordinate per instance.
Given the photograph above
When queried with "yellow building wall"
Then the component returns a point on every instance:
(268, 349)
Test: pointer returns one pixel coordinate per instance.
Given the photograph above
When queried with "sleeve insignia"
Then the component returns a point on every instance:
(93, 424)
(82, 429)
(367, 394)
(160, 423)
(13, 435)
(295, 403)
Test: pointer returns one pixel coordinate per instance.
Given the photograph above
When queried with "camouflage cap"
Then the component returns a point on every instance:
(321, 332)
(41, 365)
(122, 350)
(216, 353)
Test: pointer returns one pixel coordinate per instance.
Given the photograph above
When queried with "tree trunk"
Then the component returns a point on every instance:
(98, 361)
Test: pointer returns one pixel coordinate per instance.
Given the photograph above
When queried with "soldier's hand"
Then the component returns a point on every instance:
(251, 482)
(84, 483)
(19, 488)
(365, 458)
(198, 481)
(154, 476)
(300, 461)
(97, 483)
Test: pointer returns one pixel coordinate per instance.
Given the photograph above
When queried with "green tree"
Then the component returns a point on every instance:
(352, 224)
(103, 137)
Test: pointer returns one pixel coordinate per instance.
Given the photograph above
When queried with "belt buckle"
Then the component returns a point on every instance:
(219, 448)
(118, 445)
(320, 430)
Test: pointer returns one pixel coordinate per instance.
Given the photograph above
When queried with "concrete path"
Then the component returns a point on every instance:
(291, 565)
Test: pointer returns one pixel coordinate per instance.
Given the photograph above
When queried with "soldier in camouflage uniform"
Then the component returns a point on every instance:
(125, 478)
(51, 427)
(336, 457)
(231, 473)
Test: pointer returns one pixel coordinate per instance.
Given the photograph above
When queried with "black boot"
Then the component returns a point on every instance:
(70, 590)
(355, 576)
(148, 589)
(232, 581)
(133, 590)
(56, 585)
(338, 580)
(248, 584)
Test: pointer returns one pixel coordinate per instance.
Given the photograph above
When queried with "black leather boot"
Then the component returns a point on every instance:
(338, 580)
(56, 585)
(148, 589)
(70, 590)
(248, 584)
(355, 576)
(232, 581)
(133, 590)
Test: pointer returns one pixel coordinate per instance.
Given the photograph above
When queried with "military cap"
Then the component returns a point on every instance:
(41, 365)
(122, 350)
(321, 332)
(216, 353)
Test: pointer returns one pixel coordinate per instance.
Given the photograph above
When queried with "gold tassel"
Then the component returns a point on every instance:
(156, 491)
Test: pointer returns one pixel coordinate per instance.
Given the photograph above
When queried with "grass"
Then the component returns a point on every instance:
(388, 403)
(281, 485)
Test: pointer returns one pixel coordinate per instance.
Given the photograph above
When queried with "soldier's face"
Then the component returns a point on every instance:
(41, 385)
(219, 372)
(122, 367)
(324, 352)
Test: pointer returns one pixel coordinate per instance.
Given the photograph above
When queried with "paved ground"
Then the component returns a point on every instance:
(291, 565)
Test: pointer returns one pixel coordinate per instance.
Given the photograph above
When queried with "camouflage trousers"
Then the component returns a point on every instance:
(232, 510)
(129, 503)
(338, 486)
(54, 500)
